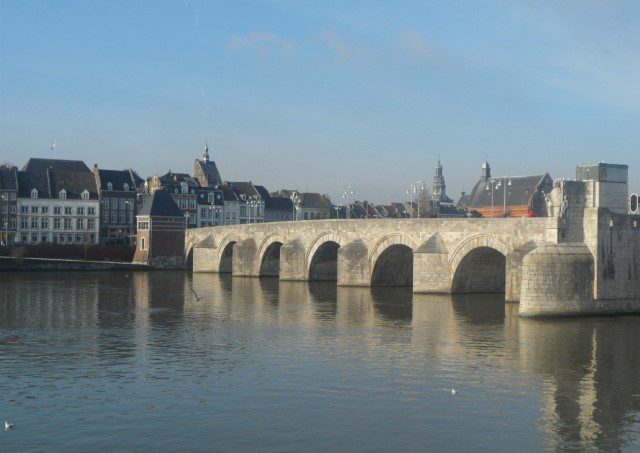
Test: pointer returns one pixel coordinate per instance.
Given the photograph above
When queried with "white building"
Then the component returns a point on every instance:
(58, 203)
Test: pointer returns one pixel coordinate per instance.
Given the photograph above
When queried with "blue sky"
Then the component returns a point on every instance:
(316, 95)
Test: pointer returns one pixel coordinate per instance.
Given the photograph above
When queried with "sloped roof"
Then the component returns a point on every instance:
(8, 178)
(119, 178)
(314, 200)
(40, 165)
(160, 204)
(278, 204)
(245, 188)
(178, 178)
(74, 183)
(262, 190)
(203, 197)
(518, 193)
(228, 193)
(27, 181)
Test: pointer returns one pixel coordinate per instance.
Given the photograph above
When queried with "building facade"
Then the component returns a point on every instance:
(160, 231)
(8, 204)
(210, 207)
(58, 203)
(118, 196)
(183, 188)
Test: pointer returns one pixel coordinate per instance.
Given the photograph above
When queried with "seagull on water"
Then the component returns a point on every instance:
(195, 294)
(8, 425)
(454, 392)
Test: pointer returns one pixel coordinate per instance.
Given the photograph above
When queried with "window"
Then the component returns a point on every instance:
(24, 224)
(34, 209)
(44, 238)
(184, 188)
(79, 224)
(67, 225)
(143, 244)
(91, 224)
(70, 238)
(34, 238)
(122, 203)
(85, 194)
(57, 210)
(24, 209)
(203, 213)
(114, 203)
(57, 222)
(105, 203)
(67, 210)
(91, 211)
(34, 224)
(34, 193)
(143, 225)
(109, 186)
(80, 210)
(243, 211)
(62, 194)
(125, 186)
(192, 204)
(45, 209)
(44, 223)
(210, 197)
(78, 239)
(306, 216)
(114, 216)
(105, 217)
(121, 216)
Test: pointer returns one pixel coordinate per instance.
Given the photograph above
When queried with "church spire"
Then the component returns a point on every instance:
(206, 151)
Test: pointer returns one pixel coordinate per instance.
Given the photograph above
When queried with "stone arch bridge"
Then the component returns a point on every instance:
(430, 255)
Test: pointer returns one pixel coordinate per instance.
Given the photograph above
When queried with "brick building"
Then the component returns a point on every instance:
(183, 188)
(205, 170)
(160, 232)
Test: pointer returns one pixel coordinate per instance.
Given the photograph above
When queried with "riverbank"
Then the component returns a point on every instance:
(50, 264)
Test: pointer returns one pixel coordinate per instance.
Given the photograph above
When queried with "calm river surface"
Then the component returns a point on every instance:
(95, 361)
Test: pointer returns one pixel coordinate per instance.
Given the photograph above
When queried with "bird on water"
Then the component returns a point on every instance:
(454, 392)
(195, 294)
(8, 425)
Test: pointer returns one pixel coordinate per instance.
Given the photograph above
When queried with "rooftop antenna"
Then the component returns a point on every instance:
(53, 148)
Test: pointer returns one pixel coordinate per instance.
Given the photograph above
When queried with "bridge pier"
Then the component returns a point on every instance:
(293, 263)
(354, 268)
(431, 272)
(245, 258)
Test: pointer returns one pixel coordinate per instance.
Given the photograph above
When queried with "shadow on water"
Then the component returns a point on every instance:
(324, 296)
(393, 303)
(479, 308)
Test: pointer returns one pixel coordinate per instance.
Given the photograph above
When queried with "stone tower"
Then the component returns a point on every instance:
(486, 171)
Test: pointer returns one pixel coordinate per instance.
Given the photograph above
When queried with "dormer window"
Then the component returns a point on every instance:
(184, 187)
(85, 194)
(109, 186)
(62, 194)
(126, 187)
(34, 193)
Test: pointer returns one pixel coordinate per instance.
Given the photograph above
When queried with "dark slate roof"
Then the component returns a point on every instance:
(264, 193)
(170, 178)
(118, 178)
(74, 183)
(278, 204)
(314, 200)
(203, 197)
(244, 188)
(519, 193)
(41, 165)
(228, 193)
(8, 178)
(160, 204)
(27, 181)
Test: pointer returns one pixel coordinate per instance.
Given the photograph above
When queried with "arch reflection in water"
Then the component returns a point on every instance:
(482, 270)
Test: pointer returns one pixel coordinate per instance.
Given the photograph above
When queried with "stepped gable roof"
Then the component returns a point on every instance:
(8, 178)
(27, 181)
(314, 200)
(160, 204)
(519, 193)
(119, 178)
(210, 170)
(38, 165)
(74, 183)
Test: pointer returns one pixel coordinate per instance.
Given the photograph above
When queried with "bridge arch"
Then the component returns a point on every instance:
(322, 257)
(269, 256)
(391, 261)
(226, 253)
(479, 265)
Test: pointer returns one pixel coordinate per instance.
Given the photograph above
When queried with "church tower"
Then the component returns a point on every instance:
(439, 186)
(486, 172)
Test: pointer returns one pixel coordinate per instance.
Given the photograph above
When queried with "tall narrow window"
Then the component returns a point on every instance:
(143, 244)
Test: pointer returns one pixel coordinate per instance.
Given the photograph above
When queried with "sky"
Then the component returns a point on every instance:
(316, 95)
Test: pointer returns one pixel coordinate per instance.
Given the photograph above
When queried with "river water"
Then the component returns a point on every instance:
(95, 361)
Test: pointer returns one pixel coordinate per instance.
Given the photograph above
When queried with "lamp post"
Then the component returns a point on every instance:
(491, 185)
(411, 191)
(507, 184)
(295, 199)
(348, 195)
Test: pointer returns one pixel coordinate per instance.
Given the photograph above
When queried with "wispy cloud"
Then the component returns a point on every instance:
(418, 45)
(262, 42)
(343, 48)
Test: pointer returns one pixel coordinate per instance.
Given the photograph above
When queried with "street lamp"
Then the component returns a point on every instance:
(347, 195)
(492, 185)
(411, 191)
(295, 199)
